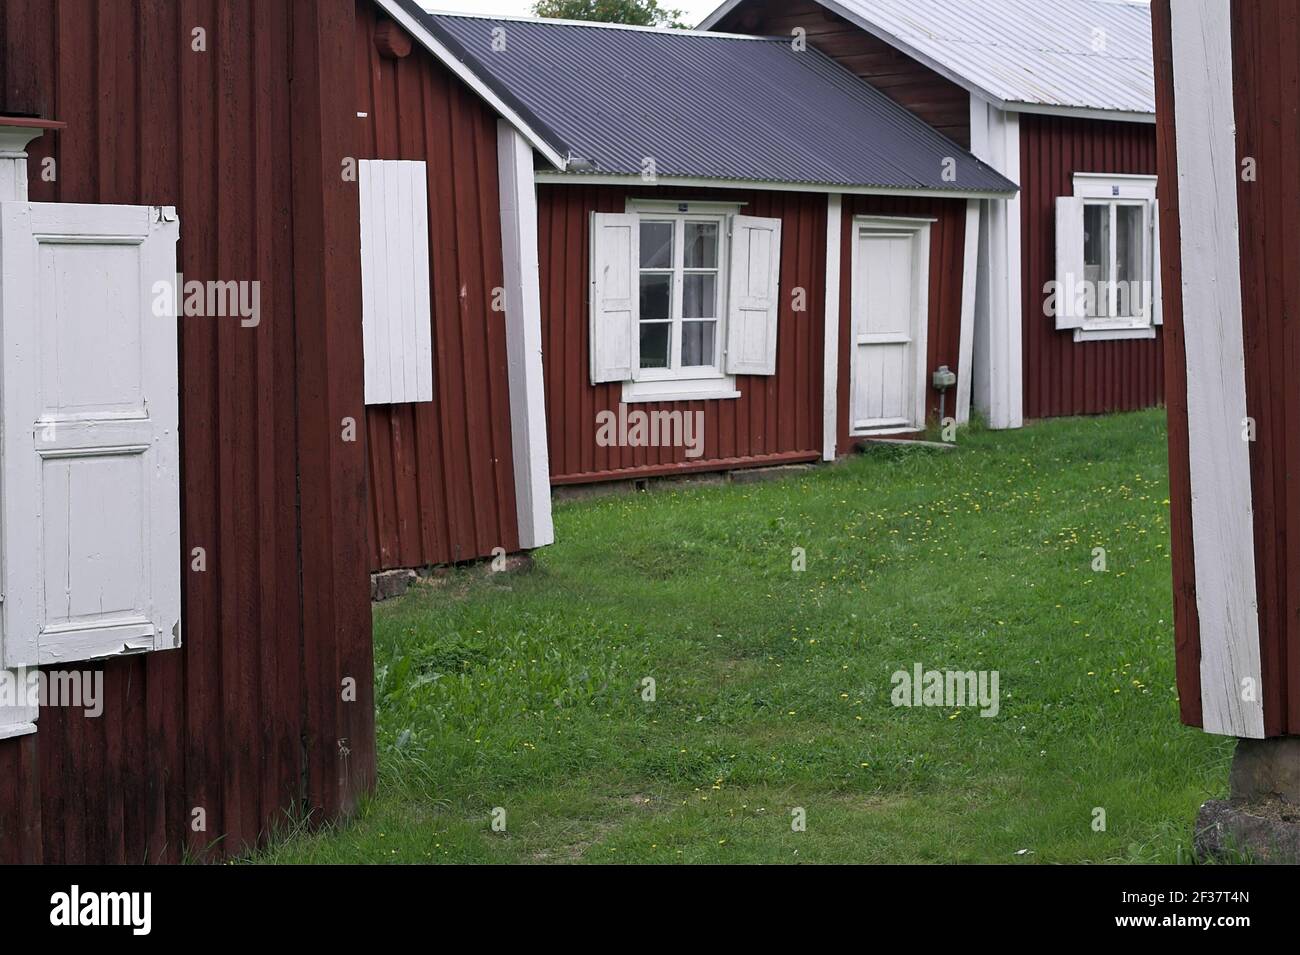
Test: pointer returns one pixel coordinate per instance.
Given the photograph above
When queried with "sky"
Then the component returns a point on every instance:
(695, 10)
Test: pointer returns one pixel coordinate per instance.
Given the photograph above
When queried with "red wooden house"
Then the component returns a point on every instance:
(714, 270)
(204, 558)
(1058, 96)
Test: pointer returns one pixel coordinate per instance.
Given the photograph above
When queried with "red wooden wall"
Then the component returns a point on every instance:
(936, 99)
(1187, 626)
(1266, 75)
(777, 418)
(947, 262)
(1061, 376)
(442, 472)
(246, 721)
(1266, 78)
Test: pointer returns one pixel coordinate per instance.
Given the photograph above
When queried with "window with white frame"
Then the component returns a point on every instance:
(680, 285)
(683, 298)
(1107, 259)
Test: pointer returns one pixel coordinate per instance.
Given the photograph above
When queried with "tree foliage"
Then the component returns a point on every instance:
(641, 13)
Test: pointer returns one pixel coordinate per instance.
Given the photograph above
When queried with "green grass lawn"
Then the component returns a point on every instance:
(773, 687)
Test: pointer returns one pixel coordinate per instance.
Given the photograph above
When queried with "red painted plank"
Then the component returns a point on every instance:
(1186, 620)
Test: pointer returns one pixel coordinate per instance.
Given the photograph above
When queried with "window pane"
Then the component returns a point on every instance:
(700, 296)
(701, 245)
(1096, 256)
(697, 343)
(1129, 254)
(657, 245)
(655, 296)
(654, 344)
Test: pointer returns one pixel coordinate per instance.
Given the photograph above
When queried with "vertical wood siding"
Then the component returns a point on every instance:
(245, 721)
(947, 258)
(777, 418)
(442, 471)
(1187, 626)
(937, 100)
(1061, 376)
(1266, 81)
(1266, 76)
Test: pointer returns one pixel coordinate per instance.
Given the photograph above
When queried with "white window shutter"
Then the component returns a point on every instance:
(615, 295)
(396, 320)
(90, 492)
(1069, 262)
(754, 298)
(1157, 296)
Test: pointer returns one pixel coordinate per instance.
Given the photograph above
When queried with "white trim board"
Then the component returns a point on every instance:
(1073, 112)
(969, 284)
(997, 376)
(524, 337)
(1219, 458)
(549, 178)
(471, 79)
(831, 345)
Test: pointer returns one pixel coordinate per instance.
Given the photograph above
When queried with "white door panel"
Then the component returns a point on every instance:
(889, 316)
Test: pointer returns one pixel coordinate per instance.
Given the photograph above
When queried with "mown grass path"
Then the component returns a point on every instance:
(772, 687)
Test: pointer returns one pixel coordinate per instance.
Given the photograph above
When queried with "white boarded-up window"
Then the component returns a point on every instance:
(395, 316)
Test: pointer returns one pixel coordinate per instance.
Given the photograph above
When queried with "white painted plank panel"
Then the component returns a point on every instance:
(396, 303)
(1222, 528)
(91, 482)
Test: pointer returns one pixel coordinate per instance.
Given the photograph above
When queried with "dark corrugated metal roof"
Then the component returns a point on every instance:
(704, 105)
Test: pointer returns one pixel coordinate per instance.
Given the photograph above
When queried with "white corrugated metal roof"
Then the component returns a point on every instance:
(1072, 54)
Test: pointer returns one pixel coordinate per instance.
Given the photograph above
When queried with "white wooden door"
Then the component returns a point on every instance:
(90, 477)
(888, 342)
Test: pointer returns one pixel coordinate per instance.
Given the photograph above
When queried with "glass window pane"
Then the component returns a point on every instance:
(700, 296)
(657, 245)
(655, 296)
(1129, 254)
(697, 343)
(654, 344)
(1096, 256)
(701, 245)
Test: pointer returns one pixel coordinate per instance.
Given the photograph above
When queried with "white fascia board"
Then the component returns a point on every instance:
(1075, 112)
(473, 81)
(546, 177)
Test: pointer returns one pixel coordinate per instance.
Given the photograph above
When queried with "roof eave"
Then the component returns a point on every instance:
(1078, 112)
(702, 182)
(555, 152)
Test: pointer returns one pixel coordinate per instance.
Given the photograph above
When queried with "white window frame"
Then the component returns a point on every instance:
(1114, 190)
(677, 383)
